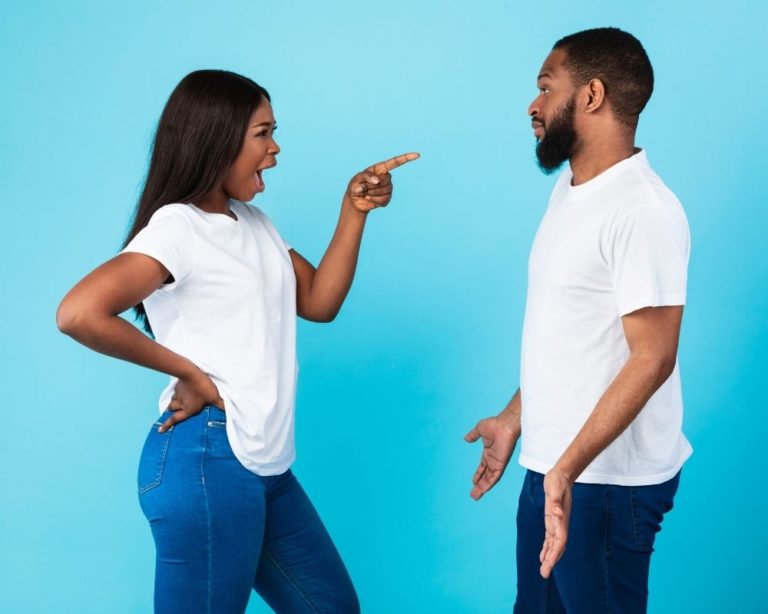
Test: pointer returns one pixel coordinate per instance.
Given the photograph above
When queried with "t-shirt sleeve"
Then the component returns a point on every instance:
(272, 229)
(169, 239)
(649, 255)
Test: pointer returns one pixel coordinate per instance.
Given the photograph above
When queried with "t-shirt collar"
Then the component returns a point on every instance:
(577, 192)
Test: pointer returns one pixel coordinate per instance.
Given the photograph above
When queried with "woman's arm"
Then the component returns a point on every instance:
(89, 313)
(321, 292)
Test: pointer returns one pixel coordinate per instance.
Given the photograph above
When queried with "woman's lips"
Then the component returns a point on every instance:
(259, 178)
(259, 182)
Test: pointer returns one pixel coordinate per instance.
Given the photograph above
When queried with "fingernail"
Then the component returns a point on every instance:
(358, 190)
(375, 179)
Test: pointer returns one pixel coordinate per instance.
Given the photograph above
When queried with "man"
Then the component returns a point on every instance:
(599, 405)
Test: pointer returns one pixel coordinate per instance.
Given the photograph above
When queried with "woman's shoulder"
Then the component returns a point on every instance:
(251, 213)
(172, 215)
(172, 211)
(256, 218)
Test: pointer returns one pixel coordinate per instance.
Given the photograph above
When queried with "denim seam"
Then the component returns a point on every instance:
(529, 489)
(606, 547)
(161, 464)
(207, 518)
(547, 584)
(288, 577)
(547, 593)
(634, 517)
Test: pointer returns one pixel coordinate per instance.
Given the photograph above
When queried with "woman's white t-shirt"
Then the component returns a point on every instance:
(231, 310)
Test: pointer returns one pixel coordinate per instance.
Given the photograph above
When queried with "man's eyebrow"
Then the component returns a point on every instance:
(544, 75)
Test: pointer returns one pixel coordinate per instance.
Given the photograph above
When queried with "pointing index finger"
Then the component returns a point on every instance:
(384, 167)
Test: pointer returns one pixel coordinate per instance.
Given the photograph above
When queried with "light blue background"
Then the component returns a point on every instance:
(428, 341)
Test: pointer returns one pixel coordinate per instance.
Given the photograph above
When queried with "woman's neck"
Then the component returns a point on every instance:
(215, 202)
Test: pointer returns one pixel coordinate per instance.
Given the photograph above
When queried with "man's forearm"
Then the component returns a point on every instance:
(639, 379)
(510, 415)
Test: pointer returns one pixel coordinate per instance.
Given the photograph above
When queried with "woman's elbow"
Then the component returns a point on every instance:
(321, 316)
(70, 317)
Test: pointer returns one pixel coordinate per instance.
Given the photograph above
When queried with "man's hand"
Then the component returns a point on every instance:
(652, 335)
(190, 396)
(557, 513)
(499, 442)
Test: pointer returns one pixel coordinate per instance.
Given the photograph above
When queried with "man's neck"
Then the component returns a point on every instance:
(598, 155)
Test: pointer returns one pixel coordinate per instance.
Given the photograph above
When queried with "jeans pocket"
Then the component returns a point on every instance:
(152, 461)
(649, 504)
(217, 441)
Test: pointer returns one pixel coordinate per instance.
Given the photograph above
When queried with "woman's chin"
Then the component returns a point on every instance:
(246, 197)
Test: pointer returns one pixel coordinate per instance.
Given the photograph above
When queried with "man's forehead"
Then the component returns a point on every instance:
(553, 64)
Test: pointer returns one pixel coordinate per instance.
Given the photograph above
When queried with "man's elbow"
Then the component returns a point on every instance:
(667, 366)
(661, 365)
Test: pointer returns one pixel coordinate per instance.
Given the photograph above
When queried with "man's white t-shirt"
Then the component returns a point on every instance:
(605, 248)
(231, 310)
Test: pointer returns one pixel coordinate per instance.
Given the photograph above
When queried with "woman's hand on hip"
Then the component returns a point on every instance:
(373, 187)
(191, 394)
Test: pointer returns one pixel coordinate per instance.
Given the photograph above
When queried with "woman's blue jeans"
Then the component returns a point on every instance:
(221, 531)
(607, 559)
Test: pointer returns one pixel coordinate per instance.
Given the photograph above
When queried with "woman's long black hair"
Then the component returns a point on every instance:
(198, 137)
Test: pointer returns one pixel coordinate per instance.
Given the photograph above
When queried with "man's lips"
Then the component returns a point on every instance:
(538, 129)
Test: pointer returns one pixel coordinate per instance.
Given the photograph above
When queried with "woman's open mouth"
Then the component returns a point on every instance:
(259, 181)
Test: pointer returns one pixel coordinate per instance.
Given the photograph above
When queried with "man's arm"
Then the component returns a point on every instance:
(652, 335)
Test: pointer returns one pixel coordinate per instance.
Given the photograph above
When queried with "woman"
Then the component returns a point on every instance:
(219, 290)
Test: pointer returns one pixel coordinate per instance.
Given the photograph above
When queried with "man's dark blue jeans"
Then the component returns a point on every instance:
(608, 555)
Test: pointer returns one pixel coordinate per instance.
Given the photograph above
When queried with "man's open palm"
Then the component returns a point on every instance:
(498, 444)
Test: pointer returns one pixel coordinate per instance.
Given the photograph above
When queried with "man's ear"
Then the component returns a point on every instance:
(595, 94)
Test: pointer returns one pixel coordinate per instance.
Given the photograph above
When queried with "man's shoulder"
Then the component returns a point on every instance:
(642, 187)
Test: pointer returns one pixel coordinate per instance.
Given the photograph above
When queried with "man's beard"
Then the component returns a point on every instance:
(559, 139)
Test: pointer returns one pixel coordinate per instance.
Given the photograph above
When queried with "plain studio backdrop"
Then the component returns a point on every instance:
(428, 340)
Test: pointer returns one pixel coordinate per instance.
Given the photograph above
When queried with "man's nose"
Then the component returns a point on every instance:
(534, 108)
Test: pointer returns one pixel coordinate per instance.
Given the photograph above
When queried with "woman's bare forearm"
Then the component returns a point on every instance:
(113, 336)
(336, 271)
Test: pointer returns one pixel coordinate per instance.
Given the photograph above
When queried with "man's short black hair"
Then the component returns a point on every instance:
(616, 58)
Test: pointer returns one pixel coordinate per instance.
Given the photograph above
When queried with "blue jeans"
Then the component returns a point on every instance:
(607, 559)
(221, 531)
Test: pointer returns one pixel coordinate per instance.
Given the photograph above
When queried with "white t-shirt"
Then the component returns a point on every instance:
(231, 310)
(604, 249)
